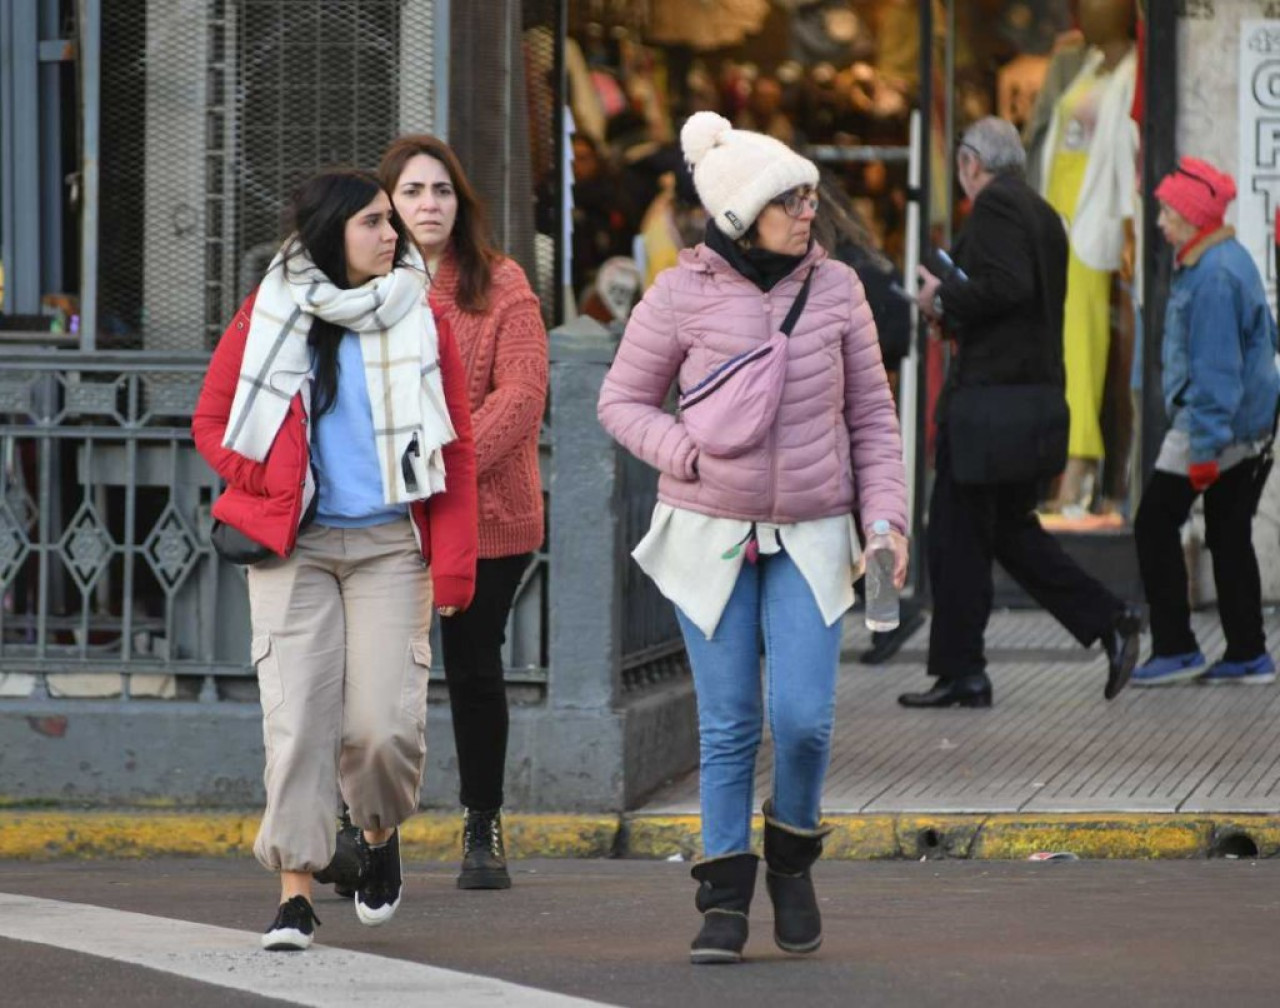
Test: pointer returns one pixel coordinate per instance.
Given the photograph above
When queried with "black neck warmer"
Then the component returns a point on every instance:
(762, 267)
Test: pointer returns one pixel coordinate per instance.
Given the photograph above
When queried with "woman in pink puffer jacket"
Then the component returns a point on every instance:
(756, 539)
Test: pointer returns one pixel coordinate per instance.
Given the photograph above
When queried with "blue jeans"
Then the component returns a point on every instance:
(771, 598)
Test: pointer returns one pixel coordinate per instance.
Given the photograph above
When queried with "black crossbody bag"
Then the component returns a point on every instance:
(235, 547)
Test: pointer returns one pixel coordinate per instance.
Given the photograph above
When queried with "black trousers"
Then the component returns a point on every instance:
(969, 526)
(472, 643)
(1228, 517)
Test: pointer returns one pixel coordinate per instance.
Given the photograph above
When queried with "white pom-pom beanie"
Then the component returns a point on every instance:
(737, 172)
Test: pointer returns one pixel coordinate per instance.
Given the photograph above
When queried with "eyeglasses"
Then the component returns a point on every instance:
(795, 202)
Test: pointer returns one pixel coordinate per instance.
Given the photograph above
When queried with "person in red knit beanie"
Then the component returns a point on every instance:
(1198, 193)
(1221, 391)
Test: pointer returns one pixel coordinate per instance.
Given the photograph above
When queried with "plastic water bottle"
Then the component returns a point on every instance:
(882, 594)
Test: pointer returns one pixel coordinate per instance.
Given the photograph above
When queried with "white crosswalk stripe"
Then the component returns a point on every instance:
(323, 977)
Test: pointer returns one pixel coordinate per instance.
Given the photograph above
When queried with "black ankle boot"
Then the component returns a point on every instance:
(725, 887)
(484, 858)
(789, 853)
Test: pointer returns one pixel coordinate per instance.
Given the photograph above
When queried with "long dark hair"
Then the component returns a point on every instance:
(318, 215)
(472, 245)
(839, 223)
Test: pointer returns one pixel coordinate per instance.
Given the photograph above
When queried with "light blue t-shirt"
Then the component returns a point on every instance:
(343, 455)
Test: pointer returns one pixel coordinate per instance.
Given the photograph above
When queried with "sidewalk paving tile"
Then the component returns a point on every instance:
(1050, 744)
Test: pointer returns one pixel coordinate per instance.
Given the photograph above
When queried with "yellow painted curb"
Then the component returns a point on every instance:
(429, 836)
(1094, 836)
(432, 836)
(144, 833)
(662, 836)
(990, 837)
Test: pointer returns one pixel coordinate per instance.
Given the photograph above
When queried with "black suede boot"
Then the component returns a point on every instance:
(725, 887)
(789, 853)
(484, 857)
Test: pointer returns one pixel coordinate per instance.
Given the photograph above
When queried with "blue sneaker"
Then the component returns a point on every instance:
(1160, 670)
(1256, 671)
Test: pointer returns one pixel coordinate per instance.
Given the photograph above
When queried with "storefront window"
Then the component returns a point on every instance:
(838, 80)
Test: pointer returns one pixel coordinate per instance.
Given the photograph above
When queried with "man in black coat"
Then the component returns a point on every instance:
(1002, 304)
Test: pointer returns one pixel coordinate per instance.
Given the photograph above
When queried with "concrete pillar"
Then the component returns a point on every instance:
(586, 584)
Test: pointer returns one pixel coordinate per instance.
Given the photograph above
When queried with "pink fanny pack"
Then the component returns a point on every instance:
(729, 411)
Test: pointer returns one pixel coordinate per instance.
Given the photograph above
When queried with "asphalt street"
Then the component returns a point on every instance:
(952, 933)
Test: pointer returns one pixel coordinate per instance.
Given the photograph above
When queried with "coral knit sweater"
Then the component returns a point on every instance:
(504, 355)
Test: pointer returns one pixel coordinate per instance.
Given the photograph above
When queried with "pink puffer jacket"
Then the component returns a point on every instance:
(834, 445)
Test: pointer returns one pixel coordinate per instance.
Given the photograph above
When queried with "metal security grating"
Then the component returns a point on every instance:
(505, 123)
(212, 112)
(123, 207)
(543, 60)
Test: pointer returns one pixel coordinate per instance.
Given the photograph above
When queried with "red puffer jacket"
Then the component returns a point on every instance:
(264, 499)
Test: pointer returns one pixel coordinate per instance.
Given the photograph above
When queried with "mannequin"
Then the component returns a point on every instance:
(1065, 61)
(1089, 176)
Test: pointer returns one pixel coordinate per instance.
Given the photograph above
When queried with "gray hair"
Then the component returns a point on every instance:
(996, 144)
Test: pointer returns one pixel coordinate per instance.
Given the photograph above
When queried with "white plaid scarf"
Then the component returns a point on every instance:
(401, 366)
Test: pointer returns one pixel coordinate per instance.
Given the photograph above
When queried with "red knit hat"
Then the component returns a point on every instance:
(1198, 191)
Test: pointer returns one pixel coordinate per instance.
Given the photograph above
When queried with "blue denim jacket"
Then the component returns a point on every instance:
(1220, 378)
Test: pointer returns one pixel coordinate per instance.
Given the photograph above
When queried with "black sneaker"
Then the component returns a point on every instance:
(484, 859)
(293, 928)
(349, 862)
(379, 893)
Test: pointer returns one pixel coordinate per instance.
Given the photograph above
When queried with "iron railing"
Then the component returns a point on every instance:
(652, 648)
(106, 570)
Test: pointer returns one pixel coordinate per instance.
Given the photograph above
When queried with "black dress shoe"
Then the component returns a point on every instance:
(967, 691)
(1120, 641)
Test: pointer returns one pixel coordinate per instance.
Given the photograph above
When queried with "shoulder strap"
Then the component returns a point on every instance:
(797, 306)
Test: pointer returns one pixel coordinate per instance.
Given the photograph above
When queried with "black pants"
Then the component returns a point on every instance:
(969, 526)
(1228, 517)
(473, 642)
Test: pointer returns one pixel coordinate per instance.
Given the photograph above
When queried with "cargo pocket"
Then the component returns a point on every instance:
(267, 664)
(417, 670)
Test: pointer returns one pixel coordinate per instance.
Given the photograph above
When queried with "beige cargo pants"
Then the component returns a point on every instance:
(340, 642)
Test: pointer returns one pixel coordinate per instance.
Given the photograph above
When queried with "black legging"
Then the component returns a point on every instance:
(1228, 517)
(473, 642)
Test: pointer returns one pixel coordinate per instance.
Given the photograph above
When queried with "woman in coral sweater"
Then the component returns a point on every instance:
(496, 319)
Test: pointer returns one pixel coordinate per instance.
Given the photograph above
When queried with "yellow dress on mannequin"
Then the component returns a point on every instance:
(1086, 323)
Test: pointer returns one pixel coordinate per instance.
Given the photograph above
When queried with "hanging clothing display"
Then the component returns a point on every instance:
(1086, 323)
(705, 24)
(1091, 139)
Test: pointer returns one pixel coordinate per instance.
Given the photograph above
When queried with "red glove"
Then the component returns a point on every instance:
(1202, 475)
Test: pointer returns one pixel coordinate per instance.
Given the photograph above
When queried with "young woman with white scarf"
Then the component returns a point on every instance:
(336, 410)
